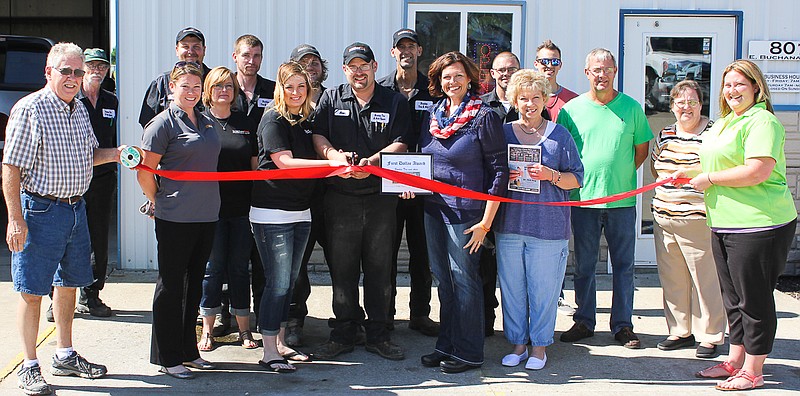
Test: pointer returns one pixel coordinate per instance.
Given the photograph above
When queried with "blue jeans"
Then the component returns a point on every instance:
(619, 226)
(57, 251)
(461, 316)
(531, 271)
(230, 256)
(281, 248)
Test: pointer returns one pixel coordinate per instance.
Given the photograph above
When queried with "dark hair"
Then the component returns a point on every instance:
(548, 44)
(435, 72)
(684, 86)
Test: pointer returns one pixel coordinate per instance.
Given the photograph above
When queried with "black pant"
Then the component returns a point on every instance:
(99, 198)
(410, 213)
(488, 270)
(748, 266)
(360, 231)
(183, 250)
(298, 309)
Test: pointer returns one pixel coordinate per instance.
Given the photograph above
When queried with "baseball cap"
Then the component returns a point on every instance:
(404, 33)
(303, 50)
(358, 50)
(190, 31)
(95, 54)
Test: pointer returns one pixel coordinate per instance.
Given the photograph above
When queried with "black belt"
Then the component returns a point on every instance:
(71, 200)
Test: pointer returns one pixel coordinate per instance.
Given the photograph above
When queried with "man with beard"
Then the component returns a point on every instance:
(407, 80)
(190, 46)
(353, 123)
(316, 67)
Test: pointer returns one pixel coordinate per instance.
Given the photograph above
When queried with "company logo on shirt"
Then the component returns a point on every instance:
(307, 131)
(240, 132)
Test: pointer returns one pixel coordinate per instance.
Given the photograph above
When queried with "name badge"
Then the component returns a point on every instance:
(342, 113)
(264, 102)
(109, 113)
(382, 118)
(423, 105)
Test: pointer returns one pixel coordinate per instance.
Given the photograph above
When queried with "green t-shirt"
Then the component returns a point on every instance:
(732, 140)
(606, 136)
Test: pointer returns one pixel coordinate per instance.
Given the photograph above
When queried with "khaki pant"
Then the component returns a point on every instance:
(692, 296)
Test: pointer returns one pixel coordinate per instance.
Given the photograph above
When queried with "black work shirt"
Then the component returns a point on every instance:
(237, 137)
(366, 131)
(104, 124)
(263, 93)
(419, 101)
(276, 134)
(494, 102)
(158, 97)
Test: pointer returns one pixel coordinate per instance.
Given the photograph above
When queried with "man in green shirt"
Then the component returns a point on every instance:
(612, 135)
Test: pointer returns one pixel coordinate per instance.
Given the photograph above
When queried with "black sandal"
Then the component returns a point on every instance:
(246, 335)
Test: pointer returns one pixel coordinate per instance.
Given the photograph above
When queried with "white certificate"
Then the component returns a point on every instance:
(416, 164)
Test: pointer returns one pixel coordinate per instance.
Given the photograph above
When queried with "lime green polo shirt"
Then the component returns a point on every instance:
(606, 136)
(732, 140)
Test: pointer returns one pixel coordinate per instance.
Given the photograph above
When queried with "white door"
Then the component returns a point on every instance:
(659, 51)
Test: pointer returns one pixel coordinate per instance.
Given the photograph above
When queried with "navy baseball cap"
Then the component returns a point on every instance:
(190, 31)
(302, 50)
(358, 50)
(404, 33)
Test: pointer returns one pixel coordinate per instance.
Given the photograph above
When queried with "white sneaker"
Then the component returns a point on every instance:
(564, 308)
(535, 363)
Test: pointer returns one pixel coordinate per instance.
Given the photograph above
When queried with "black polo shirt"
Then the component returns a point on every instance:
(158, 97)
(366, 131)
(262, 97)
(511, 115)
(419, 102)
(104, 124)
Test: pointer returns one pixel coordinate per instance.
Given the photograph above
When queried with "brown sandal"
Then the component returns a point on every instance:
(206, 343)
(246, 335)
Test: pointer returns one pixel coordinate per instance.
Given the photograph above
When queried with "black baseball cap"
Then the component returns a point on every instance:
(358, 50)
(190, 31)
(404, 33)
(302, 50)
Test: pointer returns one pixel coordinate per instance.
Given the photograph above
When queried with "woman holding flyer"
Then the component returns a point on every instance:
(532, 240)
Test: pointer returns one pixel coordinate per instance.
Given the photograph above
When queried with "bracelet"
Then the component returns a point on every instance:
(708, 177)
(555, 179)
(486, 230)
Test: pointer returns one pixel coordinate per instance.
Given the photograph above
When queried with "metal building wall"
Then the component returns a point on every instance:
(146, 31)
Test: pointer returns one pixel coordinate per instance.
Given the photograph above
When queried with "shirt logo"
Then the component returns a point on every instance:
(423, 105)
(382, 118)
(307, 131)
(264, 102)
(342, 113)
(240, 132)
(109, 113)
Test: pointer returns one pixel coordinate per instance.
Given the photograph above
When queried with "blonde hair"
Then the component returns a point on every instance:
(527, 79)
(285, 72)
(218, 75)
(751, 72)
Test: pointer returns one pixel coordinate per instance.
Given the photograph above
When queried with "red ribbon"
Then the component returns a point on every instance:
(399, 177)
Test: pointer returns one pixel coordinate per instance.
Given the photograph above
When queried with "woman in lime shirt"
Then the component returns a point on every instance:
(752, 218)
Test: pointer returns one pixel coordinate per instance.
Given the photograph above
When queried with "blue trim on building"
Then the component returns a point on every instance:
(786, 107)
(739, 15)
(523, 18)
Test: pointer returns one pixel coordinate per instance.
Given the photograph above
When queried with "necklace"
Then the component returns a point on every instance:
(223, 123)
(533, 131)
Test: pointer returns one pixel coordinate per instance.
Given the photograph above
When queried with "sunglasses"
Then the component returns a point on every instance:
(66, 71)
(554, 62)
(185, 63)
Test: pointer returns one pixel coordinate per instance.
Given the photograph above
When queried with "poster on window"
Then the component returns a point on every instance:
(522, 158)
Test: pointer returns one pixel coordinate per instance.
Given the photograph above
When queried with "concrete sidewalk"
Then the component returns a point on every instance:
(598, 367)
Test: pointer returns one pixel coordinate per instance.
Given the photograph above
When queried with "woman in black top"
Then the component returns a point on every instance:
(280, 215)
(230, 254)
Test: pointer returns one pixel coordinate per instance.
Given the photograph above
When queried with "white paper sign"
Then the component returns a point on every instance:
(774, 50)
(783, 82)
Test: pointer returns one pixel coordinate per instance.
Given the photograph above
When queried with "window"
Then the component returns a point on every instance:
(478, 31)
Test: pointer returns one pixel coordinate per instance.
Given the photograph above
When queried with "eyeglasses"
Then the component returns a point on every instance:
(185, 63)
(99, 67)
(553, 62)
(599, 70)
(507, 70)
(684, 103)
(363, 68)
(67, 71)
(223, 87)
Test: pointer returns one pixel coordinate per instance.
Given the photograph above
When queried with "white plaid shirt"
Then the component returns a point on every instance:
(53, 148)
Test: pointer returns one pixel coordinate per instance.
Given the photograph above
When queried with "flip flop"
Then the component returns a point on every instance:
(297, 356)
(729, 370)
(272, 365)
(206, 343)
(753, 381)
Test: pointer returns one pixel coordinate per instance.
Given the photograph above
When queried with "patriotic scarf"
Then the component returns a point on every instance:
(464, 114)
